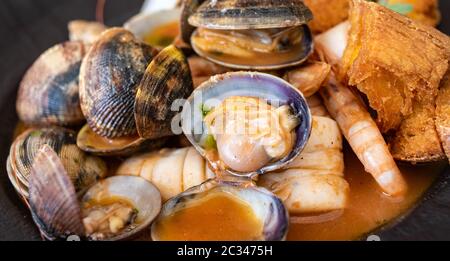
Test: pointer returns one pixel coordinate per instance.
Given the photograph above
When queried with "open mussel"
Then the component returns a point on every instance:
(113, 209)
(48, 93)
(247, 123)
(83, 169)
(222, 210)
(250, 34)
(127, 93)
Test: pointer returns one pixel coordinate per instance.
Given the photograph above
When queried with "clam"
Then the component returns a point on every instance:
(251, 34)
(89, 141)
(145, 26)
(53, 201)
(247, 123)
(48, 93)
(135, 192)
(109, 76)
(222, 211)
(83, 170)
(165, 80)
(113, 209)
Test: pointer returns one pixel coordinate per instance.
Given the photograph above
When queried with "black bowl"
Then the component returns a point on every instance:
(29, 27)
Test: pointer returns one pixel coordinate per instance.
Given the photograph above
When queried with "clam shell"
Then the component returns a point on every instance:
(109, 76)
(250, 84)
(298, 55)
(83, 169)
(268, 207)
(48, 93)
(143, 195)
(89, 141)
(188, 8)
(250, 14)
(53, 201)
(166, 80)
(142, 24)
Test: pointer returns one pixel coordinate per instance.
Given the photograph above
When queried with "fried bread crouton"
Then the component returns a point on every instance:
(443, 114)
(398, 64)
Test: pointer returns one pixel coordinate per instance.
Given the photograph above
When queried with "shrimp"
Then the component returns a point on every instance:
(316, 106)
(172, 171)
(309, 78)
(314, 181)
(364, 137)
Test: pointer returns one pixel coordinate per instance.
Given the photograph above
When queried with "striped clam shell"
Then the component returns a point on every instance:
(83, 169)
(48, 93)
(109, 76)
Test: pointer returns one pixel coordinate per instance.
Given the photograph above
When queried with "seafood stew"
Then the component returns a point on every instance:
(342, 160)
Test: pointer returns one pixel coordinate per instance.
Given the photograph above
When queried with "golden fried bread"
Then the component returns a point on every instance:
(417, 139)
(443, 114)
(393, 60)
(327, 13)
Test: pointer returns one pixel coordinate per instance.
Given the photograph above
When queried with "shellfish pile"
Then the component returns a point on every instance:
(125, 137)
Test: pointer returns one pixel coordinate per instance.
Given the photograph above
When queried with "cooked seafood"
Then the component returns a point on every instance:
(119, 208)
(151, 27)
(316, 106)
(314, 182)
(85, 31)
(171, 170)
(239, 212)
(331, 45)
(109, 77)
(113, 209)
(364, 137)
(47, 202)
(202, 69)
(281, 109)
(107, 104)
(308, 78)
(250, 133)
(265, 35)
(166, 79)
(83, 170)
(48, 93)
(89, 141)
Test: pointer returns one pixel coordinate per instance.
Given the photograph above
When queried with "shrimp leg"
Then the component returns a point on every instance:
(364, 137)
